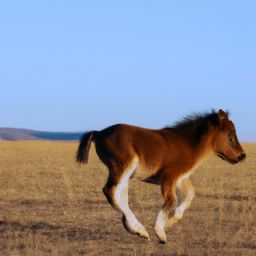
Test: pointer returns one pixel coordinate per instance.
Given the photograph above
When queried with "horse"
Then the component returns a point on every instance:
(166, 157)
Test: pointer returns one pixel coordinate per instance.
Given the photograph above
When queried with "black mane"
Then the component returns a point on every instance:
(197, 119)
(196, 123)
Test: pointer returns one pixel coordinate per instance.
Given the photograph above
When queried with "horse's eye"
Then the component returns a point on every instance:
(231, 138)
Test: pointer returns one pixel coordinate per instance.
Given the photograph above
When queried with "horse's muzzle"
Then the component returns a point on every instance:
(242, 157)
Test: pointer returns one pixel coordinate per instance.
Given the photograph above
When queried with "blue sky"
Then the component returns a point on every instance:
(80, 65)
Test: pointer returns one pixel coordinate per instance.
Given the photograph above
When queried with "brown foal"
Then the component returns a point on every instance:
(166, 157)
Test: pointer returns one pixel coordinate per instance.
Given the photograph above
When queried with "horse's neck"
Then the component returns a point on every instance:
(203, 147)
(199, 148)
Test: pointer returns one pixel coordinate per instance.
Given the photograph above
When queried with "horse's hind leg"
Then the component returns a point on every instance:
(187, 190)
(116, 191)
(109, 190)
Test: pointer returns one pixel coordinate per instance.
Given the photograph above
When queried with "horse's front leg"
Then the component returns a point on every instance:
(170, 201)
(187, 191)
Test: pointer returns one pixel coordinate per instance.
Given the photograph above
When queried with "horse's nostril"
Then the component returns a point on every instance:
(242, 156)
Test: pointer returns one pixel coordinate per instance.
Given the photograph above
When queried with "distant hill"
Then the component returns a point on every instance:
(25, 134)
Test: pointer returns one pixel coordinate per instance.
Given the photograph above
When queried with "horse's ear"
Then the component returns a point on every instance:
(222, 115)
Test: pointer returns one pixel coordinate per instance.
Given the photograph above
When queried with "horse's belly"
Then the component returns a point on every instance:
(144, 173)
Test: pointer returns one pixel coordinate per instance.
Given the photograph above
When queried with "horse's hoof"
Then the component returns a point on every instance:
(161, 234)
(143, 233)
(135, 228)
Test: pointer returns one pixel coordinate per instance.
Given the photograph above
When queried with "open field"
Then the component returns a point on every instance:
(51, 206)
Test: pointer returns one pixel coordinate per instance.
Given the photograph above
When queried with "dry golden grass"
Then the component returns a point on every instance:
(51, 206)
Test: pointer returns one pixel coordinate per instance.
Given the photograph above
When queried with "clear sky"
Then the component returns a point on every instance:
(80, 65)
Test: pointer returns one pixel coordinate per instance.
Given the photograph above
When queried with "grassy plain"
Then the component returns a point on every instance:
(51, 206)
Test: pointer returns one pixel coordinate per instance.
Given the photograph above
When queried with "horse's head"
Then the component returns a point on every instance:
(225, 142)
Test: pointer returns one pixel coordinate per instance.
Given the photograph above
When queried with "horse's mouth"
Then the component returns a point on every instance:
(222, 156)
(229, 160)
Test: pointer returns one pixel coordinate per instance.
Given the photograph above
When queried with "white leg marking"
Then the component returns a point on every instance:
(179, 211)
(121, 198)
(162, 217)
(184, 205)
(123, 185)
(188, 190)
(161, 220)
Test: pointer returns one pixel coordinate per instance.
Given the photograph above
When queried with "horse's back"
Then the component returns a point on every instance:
(124, 136)
(122, 143)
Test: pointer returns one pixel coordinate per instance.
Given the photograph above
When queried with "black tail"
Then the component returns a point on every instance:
(84, 147)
